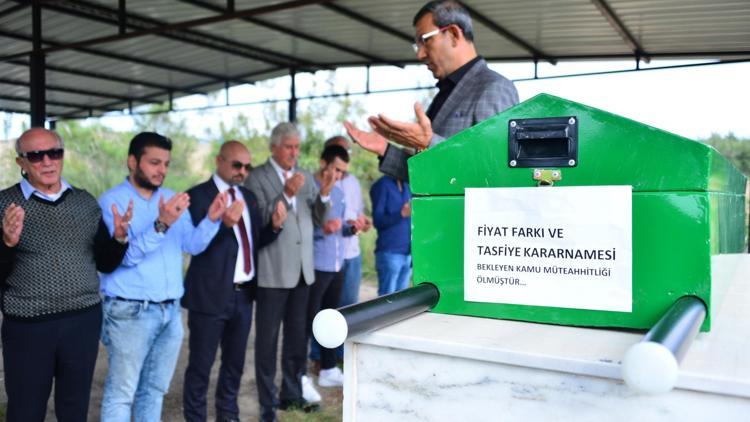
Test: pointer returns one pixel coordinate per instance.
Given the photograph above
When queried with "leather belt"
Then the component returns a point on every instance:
(241, 286)
(151, 302)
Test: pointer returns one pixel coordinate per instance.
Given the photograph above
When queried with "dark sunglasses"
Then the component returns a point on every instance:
(38, 156)
(238, 165)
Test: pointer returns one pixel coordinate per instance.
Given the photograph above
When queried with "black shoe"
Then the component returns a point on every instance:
(299, 404)
(227, 418)
(268, 414)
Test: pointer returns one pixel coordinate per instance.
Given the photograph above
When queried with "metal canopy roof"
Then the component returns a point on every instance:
(109, 55)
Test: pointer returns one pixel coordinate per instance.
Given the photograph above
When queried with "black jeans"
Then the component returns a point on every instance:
(325, 293)
(35, 353)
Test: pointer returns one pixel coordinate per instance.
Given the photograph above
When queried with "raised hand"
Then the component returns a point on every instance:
(406, 210)
(279, 215)
(332, 226)
(233, 213)
(327, 179)
(12, 224)
(171, 210)
(218, 206)
(293, 184)
(414, 135)
(122, 222)
(370, 141)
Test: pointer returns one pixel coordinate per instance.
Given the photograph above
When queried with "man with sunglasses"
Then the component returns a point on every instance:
(54, 241)
(468, 91)
(220, 285)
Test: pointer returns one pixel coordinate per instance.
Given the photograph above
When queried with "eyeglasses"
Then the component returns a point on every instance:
(38, 156)
(422, 39)
(238, 165)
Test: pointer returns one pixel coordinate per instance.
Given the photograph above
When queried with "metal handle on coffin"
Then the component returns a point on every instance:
(332, 327)
(652, 365)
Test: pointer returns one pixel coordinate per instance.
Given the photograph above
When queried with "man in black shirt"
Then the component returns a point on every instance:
(469, 92)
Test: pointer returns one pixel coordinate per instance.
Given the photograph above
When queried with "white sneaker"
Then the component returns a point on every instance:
(309, 392)
(331, 377)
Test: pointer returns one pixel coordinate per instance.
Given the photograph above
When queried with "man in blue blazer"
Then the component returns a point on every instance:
(468, 91)
(220, 285)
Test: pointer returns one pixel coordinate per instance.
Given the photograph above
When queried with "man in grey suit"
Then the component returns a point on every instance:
(469, 92)
(285, 269)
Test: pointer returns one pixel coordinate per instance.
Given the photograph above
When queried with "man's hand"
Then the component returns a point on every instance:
(370, 141)
(218, 206)
(327, 179)
(414, 135)
(279, 215)
(233, 213)
(171, 210)
(122, 222)
(366, 223)
(332, 226)
(406, 210)
(293, 184)
(12, 224)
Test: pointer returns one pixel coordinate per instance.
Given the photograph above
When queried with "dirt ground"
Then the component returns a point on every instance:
(248, 401)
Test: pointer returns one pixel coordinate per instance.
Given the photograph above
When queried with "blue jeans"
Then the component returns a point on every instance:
(349, 294)
(394, 272)
(143, 342)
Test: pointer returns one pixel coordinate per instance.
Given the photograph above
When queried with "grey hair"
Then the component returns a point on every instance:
(447, 12)
(283, 130)
(26, 134)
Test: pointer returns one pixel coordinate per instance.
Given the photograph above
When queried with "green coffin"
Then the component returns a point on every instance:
(687, 205)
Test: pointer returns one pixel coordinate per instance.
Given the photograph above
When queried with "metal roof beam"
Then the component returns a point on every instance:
(297, 34)
(370, 22)
(106, 77)
(515, 39)
(179, 31)
(70, 90)
(182, 89)
(621, 29)
(13, 9)
(55, 103)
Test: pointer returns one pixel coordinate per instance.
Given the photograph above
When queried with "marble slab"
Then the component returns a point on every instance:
(437, 367)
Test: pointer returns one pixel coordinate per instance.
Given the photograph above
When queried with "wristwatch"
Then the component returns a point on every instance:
(160, 226)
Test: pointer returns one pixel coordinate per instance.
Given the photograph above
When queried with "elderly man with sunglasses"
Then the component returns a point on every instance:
(220, 285)
(54, 241)
(468, 91)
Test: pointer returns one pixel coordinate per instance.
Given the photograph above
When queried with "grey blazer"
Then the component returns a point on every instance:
(280, 263)
(479, 95)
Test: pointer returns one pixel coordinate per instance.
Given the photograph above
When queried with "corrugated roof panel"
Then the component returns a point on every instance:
(18, 106)
(690, 25)
(279, 42)
(129, 70)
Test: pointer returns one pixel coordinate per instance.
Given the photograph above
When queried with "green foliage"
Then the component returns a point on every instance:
(734, 149)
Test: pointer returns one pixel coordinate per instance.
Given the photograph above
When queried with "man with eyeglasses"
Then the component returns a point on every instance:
(142, 328)
(54, 241)
(468, 91)
(220, 285)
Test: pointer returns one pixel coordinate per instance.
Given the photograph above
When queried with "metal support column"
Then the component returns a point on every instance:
(36, 69)
(293, 98)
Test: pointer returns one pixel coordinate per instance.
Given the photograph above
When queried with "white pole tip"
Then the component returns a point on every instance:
(649, 368)
(329, 328)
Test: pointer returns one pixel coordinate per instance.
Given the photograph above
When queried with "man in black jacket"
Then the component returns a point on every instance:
(220, 285)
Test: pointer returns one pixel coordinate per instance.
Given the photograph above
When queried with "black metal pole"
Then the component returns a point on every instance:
(679, 326)
(37, 69)
(293, 97)
(373, 314)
